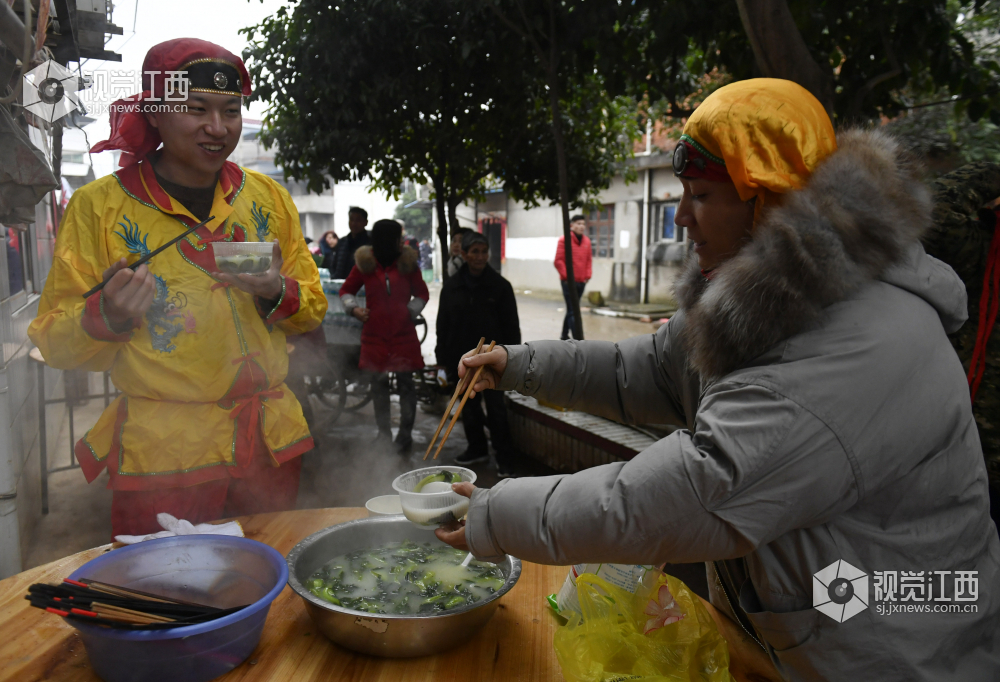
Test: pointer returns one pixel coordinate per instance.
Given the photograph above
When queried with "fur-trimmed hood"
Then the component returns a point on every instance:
(364, 258)
(859, 218)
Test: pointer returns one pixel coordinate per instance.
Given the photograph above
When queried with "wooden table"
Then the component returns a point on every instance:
(515, 645)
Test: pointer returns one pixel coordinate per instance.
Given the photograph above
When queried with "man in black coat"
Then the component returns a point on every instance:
(478, 302)
(343, 256)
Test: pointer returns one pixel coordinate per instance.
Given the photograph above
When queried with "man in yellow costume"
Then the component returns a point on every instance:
(205, 426)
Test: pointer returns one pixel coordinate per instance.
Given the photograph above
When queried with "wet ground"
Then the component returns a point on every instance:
(345, 469)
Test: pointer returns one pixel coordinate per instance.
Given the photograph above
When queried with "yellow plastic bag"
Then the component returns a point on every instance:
(661, 633)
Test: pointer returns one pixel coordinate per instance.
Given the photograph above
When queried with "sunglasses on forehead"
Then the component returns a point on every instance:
(682, 159)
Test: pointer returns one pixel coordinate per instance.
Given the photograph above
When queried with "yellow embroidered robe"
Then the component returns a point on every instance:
(202, 372)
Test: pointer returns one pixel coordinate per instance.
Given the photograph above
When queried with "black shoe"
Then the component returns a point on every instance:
(403, 447)
(469, 457)
(503, 472)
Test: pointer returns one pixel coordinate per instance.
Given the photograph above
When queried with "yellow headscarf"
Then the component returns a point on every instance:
(771, 133)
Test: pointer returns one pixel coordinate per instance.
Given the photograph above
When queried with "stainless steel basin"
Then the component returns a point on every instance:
(389, 635)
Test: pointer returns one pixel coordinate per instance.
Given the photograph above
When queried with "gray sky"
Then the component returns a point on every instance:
(156, 21)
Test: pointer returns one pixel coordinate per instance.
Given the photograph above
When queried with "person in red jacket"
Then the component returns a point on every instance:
(582, 259)
(395, 295)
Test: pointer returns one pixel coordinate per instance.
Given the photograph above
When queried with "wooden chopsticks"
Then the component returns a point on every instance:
(119, 607)
(468, 393)
(451, 403)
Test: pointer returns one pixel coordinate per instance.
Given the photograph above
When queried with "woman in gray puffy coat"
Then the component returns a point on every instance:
(829, 470)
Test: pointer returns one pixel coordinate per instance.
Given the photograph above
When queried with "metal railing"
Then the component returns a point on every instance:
(68, 400)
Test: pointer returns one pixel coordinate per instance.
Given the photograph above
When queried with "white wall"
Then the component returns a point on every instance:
(665, 185)
(532, 236)
(356, 193)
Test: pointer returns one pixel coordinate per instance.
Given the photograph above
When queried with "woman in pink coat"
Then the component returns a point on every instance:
(582, 259)
(395, 295)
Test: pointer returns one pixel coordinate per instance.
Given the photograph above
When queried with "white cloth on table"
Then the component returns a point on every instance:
(172, 526)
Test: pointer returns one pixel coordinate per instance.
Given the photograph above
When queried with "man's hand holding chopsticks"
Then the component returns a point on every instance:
(266, 285)
(128, 294)
(493, 363)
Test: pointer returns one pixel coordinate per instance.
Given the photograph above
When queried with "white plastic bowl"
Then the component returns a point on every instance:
(431, 509)
(384, 505)
(247, 258)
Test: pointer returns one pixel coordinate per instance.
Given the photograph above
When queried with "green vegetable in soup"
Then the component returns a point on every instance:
(245, 263)
(443, 476)
(405, 578)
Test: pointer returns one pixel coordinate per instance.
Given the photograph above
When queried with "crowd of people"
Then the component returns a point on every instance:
(475, 302)
(823, 413)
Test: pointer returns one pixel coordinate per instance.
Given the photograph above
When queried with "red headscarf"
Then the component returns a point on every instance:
(130, 131)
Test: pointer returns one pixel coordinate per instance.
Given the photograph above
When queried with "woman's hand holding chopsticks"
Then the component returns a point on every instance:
(454, 533)
(128, 294)
(493, 363)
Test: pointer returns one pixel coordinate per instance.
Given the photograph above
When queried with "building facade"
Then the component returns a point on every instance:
(318, 213)
(637, 248)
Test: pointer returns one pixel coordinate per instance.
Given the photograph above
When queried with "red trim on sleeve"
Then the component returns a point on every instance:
(286, 306)
(96, 323)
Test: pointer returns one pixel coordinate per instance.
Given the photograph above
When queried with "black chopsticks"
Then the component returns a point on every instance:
(118, 607)
(146, 258)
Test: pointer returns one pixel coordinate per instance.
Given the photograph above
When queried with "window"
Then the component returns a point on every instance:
(663, 226)
(601, 230)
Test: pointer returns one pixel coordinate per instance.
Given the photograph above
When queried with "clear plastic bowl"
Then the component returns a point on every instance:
(247, 258)
(431, 509)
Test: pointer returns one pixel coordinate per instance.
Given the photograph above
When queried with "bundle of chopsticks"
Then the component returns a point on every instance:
(463, 385)
(118, 607)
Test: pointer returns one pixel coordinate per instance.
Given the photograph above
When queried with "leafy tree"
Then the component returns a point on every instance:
(937, 126)
(416, 219)
(433, 91)
(385, 89)
(561, 43)
(861, 58)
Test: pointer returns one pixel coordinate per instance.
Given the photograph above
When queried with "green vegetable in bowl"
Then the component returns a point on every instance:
(405, 578)
(245, 263)
(442, 476)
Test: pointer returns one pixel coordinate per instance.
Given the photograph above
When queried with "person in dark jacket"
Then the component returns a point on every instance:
(478, 302)
(357, 221)
(328, 250)
(395, 295)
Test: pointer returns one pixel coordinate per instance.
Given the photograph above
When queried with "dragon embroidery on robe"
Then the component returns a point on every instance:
(260, 222)
(163, 319)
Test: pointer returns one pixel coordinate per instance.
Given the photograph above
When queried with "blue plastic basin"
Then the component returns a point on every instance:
(216, 570)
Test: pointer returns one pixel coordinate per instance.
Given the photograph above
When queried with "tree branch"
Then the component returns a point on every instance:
(525, 33)
(780, 50)
(859, 96)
